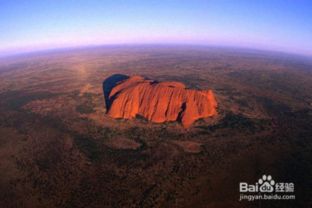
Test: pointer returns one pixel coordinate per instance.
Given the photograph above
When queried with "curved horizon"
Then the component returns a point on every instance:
(134, 45)
(264, 25)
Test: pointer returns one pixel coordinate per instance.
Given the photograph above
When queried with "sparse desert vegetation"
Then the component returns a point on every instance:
(58, 148)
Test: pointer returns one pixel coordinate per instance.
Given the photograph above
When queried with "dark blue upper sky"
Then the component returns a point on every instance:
(284, 25)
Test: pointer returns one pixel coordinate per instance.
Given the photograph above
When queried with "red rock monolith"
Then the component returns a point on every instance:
(160, 101)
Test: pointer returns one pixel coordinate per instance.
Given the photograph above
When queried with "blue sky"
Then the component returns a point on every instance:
(283, 25)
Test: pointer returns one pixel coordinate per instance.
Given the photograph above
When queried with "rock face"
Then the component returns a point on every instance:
(160, 101)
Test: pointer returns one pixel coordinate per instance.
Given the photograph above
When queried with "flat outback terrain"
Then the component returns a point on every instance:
(59, 148)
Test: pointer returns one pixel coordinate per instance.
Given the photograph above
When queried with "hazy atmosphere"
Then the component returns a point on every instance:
(283, 25)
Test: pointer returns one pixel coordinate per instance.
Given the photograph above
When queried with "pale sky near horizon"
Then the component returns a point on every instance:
(282, 25)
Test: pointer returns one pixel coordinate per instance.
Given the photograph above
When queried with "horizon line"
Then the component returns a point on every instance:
(8, 54)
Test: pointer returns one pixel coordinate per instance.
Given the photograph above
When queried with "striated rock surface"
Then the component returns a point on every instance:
(160, 101)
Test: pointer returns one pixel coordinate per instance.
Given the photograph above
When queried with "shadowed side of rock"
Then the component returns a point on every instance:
(109, 84)
(160, 101)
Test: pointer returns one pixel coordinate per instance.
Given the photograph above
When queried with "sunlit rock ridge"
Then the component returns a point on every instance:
(160, 101)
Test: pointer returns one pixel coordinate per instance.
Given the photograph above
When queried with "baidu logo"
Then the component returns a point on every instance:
(266, 184)
(266, 188)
